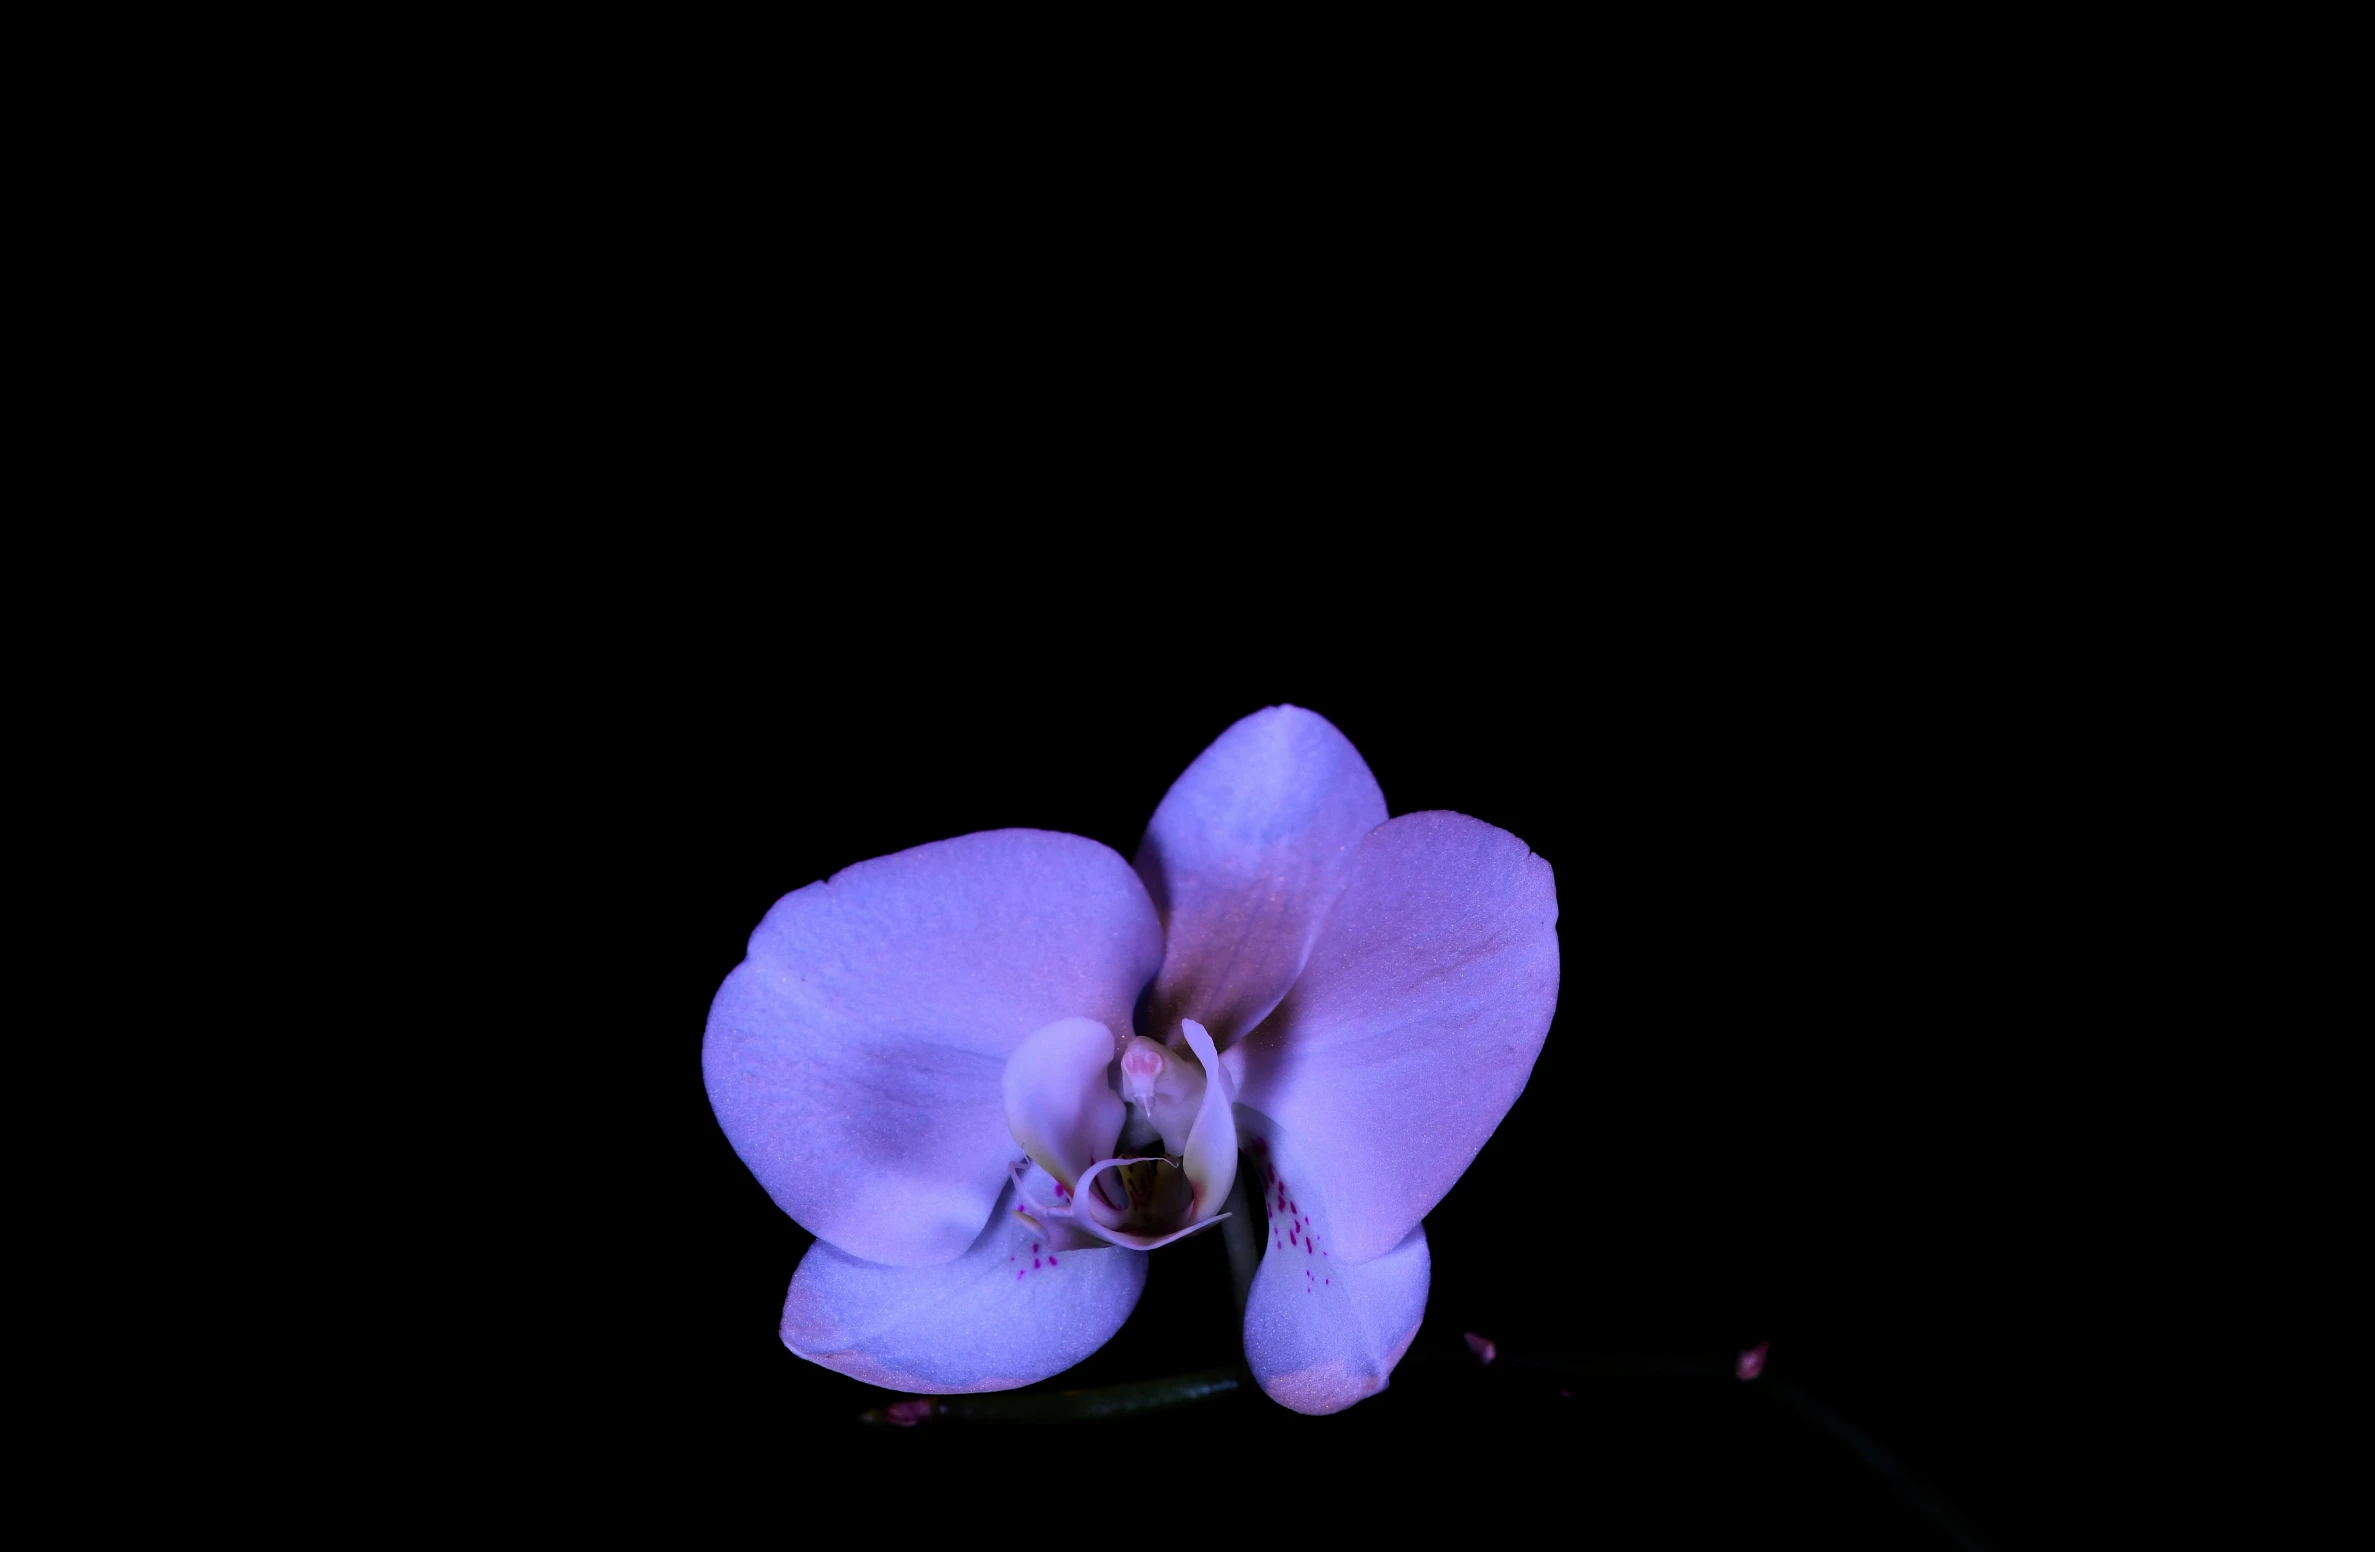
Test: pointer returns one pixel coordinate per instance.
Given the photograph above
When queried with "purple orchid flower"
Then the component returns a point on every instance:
(992, 1073)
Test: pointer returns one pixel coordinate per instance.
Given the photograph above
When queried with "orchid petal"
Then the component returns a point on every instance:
(1059, 1107)
(1244, 856)
(855, 1058)
(1019, 1305)
(1415, 1024)
(1210, 1158)
(1321, 1331)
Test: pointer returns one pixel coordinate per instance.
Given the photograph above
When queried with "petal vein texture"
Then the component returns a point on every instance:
(1415, 1024)
(1243, 857)
(1019, 1305)
(1322, 1332)
(855, 1057)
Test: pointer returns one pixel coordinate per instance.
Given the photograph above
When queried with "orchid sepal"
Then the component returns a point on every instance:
(1024, 1302)
(1322, 1331)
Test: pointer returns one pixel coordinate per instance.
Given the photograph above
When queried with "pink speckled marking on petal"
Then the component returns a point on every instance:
(1327, 1355)
(1472, 989)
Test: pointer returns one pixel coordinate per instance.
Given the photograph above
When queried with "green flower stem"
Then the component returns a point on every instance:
(1909, 1491)
(1102, 1404)
(1238, 1233)
(1570, 1365)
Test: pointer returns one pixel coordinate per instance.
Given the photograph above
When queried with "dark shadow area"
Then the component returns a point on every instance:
(1813, 924)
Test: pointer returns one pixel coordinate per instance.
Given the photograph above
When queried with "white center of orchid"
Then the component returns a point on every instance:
(1164, 1091)
(1140, 1139)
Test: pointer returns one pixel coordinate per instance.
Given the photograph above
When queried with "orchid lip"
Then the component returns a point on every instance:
(1068, 1212)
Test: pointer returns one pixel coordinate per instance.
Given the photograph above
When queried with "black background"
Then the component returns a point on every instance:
(1816, 910)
